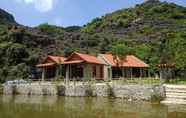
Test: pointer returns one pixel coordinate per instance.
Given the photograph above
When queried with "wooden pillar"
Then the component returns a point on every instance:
(141, 72)
(161, 73)
(56, 73)
(67, 72)
(148, 71)
(97, 72)
(131, 73)
(128, 72)
(110, 72)
(111, 76)
(43, 74)
(87, 72)
(123, 72)
(70, 72)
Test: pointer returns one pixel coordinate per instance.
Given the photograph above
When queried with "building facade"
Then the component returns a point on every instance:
(86, 67)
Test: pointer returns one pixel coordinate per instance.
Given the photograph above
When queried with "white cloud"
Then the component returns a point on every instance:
(40, 5)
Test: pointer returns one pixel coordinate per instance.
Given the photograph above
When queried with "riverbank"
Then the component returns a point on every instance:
(83, 89)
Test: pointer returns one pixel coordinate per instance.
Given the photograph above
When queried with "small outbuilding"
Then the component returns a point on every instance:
(51, 67)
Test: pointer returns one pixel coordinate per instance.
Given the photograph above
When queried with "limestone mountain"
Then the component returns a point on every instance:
(5, 17)
(144, 22)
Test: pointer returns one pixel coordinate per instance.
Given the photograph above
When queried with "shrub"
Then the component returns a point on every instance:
(178, 16)
(89, 91)
(61, 90)
(155, 97)
(110, 91)
(14, 90)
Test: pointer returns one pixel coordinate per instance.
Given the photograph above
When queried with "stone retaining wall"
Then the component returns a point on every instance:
(31, 89)
(133, 92)
(138, 92)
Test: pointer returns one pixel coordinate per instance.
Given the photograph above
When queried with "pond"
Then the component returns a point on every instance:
(81, 107)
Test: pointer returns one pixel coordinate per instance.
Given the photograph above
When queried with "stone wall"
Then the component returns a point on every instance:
(31, 89)
(131, 92)
(137, 92)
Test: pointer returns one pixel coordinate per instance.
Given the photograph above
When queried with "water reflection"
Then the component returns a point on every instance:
(68, 107)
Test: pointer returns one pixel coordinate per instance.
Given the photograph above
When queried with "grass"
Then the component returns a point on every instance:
(177, 81)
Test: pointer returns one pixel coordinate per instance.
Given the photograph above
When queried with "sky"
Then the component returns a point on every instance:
(65, 12)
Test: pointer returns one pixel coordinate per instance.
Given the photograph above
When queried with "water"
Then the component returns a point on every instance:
(68, 107)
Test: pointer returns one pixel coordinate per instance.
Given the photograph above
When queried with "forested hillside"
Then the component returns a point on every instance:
(154, 31)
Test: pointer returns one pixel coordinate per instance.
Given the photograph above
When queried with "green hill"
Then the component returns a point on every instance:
(154, 31)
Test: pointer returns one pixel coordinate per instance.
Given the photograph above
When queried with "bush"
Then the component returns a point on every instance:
(61, 90)
(178, 16)
(110, 91)
(14, 90)
(155, 97)
(50, 28)
(16, 53)
(89, 91)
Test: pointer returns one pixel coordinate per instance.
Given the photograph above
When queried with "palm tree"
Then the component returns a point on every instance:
(120, 51)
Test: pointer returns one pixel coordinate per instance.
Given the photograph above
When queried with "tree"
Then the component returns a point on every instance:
(16, 53)
(119, 51)
(68, 51)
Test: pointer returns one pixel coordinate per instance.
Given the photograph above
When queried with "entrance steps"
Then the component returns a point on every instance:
(175, 94)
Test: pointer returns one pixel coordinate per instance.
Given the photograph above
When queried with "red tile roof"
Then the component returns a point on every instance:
(57, 59)
(51, 61)
(85, 57)
(129, 61)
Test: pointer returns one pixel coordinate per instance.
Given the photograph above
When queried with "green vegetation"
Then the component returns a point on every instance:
(142, 81)
(61, 90)
(154, 31)
(120, 50)
(156, 97)
(110, 91)
(89, 90)
(50, 29)
(14, 90)
(177, 81)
